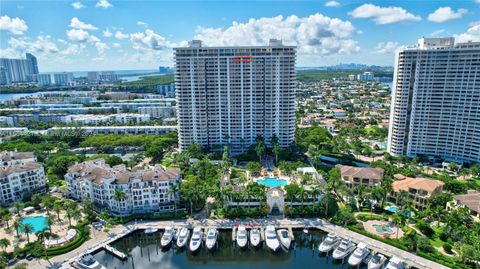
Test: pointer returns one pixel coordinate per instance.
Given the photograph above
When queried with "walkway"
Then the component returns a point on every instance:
(120, 231)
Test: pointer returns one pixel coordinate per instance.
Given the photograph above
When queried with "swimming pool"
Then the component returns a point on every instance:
(382, 228)
(391, 208)
(38, 223)
(272, 182)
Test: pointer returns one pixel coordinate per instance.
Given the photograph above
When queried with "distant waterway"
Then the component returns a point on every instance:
(144, 252)
(5, 96)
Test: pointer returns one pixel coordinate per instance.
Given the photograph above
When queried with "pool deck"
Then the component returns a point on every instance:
(123, 230)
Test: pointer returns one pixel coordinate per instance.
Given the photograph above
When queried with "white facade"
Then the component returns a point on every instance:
(20, 176)
(149, 130)
(232, 95)
(120, 118)
(158, 112)
(146, 190)
(435, 109)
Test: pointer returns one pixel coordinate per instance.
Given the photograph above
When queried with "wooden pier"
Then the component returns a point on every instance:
(115, 252)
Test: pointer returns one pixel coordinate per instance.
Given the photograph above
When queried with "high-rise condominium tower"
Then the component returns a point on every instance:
(436, 101)
(232, 95)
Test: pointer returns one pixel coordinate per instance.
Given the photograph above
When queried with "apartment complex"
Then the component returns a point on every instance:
(59, 79)
(418, 189)
(435, 109)
(232, 95)
(18, 70)
(20, 176)
(146, 190)
(355, 176)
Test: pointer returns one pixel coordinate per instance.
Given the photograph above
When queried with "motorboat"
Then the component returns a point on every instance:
(150, 230)
(87, 261)
(396, 263)
(271, 238)
(255, 237)
(330, 242)
(167, 237)
(284, 238)
(182, 237)
(359, 255)
(376, 261)
(344, 249)
(196, 240)
(212, 237)
(242, 236)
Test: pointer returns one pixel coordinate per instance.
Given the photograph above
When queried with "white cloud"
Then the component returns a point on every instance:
(78, 24)
(73, 49)
(437, 32)
(387, 47)
(142, 23)
(15, 26)
(107, 33)
(149, 40)
(116, 45)
(77, 5)
(472, 34)
(43, 45)
(444, 14)
(103, 4)
(315, 34)
(120, 35)
(101, 47)
(383, 15)
(473, 23)
(78, 35)
(332, 4)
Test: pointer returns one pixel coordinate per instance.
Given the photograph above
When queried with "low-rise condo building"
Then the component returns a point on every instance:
(419, 189)
(20, 176)
(355, 176)
(144, 190)
(471, 200)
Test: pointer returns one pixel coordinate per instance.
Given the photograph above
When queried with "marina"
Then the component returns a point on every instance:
(146, 249)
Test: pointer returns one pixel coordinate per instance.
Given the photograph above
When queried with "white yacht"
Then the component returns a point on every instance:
(330, 242)
(167, 237)
(284, 238)
(242, 236)
(255, 237)
(150, 230)
(376, 261)
(182, 237)
(344, 249)
(212, 237)
(359, 255)
(271, 238)
(87, 261)
(196, 240)
(396, 263)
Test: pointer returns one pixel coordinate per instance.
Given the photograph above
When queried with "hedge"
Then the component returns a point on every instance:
(180, 214)
(83, 235)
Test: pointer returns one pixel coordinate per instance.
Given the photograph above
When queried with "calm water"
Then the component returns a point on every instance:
(145, 253)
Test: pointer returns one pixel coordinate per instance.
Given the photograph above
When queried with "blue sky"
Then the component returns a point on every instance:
(113, 35)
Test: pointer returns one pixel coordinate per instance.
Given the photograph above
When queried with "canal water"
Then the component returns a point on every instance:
(144, 252)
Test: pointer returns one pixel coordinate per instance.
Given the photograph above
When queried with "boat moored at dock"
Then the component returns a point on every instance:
(330, 242)
(255, 237)
(344, 249)
(271, 238)
(182, 237)
(376, 261)
(396, 263)
(196, 240)
(242, 237)
(211, 239)
(359, 255)
(284, 238)
(167, 237)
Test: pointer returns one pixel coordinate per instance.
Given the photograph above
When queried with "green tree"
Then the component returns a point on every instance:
(57, 208)
(254, 168)
(18, 208)
(276, 149)
(4, 243)
(260, 148)
(173, 190)
(27, 228)
(16, 226)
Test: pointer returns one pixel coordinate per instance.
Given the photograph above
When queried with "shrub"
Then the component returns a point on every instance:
(448, 248)
(425, 228)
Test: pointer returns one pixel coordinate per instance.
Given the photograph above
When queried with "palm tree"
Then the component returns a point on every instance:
(57, 208)
(276, 149)
(18, 208)
(42, 236)
(402, 199)
(399, 220)
(16, 226)
(28, 229)
(47, 202)
(6, 218)
(4, 243)
(119, 196)
(173, 190)
(260, 148)
(73, 214)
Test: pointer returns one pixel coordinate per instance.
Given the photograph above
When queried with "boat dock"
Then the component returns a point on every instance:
(410, 258)
(115, 252)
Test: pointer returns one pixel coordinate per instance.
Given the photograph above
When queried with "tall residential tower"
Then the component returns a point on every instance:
(435, 107)
(232, 95)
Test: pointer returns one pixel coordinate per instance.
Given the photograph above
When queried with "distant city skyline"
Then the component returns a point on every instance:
(124, 35)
